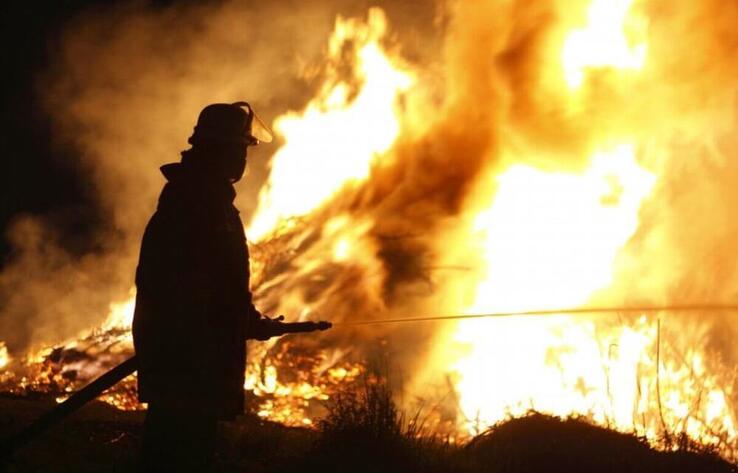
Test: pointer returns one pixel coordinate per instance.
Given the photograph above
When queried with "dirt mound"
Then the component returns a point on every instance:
(541, 443)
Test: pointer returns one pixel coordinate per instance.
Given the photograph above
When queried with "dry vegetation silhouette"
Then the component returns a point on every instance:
(363, 431)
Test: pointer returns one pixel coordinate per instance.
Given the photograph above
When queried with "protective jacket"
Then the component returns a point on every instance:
(193, 304)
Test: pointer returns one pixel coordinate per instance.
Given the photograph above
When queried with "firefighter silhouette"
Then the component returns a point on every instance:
(193, 305)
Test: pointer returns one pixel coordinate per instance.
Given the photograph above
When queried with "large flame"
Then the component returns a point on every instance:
(341, 132)
(551, 239)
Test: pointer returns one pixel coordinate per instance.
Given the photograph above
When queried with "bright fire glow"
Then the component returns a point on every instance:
(551, 238)
(338, 136)
(121, 313)
(611, 38)
(4, 356)
(550, 241)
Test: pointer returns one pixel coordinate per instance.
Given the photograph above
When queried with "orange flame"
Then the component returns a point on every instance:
(341, 132)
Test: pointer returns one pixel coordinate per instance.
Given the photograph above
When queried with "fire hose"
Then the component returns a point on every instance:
(567, 311)
(128, 367)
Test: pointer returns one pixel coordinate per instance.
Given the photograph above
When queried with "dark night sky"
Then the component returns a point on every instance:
(37, 180)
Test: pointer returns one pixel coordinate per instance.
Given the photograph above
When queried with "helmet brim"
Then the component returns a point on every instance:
(260, 130)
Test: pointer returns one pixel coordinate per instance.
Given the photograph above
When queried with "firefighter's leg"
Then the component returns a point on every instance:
(177, 439)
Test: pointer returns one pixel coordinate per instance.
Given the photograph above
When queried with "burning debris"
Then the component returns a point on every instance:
(308, 377)
(519, 170)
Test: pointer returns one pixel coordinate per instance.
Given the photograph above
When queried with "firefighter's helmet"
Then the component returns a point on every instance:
(228, 123)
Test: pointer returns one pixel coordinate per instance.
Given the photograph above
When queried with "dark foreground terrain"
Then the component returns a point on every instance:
(360, 434)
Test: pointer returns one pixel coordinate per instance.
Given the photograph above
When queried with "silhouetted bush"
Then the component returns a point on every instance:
(363, 431)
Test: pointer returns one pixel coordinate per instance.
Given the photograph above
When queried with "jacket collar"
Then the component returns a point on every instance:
(184, 179)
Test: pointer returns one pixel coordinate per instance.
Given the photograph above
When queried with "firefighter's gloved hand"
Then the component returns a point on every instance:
(266, 328)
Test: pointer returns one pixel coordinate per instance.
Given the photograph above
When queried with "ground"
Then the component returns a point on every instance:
(100, 438)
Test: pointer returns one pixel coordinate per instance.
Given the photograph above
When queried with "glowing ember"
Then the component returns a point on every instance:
(290, 386)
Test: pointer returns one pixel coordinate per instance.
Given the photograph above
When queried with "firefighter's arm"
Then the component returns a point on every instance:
(265, 328)
(260, 327)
